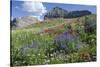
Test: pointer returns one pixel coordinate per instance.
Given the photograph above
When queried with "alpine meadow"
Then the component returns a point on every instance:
(51, 33)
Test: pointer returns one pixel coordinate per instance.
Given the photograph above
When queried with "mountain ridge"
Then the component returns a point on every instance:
(58, 12)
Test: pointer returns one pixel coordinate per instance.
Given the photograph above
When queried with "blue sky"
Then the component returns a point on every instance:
(22, 8)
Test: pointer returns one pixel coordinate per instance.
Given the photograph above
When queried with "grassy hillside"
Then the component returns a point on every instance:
(39, 44)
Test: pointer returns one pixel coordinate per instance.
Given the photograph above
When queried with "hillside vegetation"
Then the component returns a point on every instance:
(55, 41)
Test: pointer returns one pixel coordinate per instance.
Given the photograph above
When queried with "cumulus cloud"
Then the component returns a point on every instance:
(36, 8)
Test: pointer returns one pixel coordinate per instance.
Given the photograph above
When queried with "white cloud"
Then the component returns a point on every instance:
(36, 8)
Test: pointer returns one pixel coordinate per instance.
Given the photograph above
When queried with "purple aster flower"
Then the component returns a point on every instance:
(78, 46)
(68, 36)
(25, 48)
(33, 45)
(62, 39)
(64, 46)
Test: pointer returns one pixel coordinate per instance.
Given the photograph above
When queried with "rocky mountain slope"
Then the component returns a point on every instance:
(21, 22)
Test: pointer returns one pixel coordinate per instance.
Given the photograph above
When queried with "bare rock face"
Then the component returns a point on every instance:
(21, 22)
